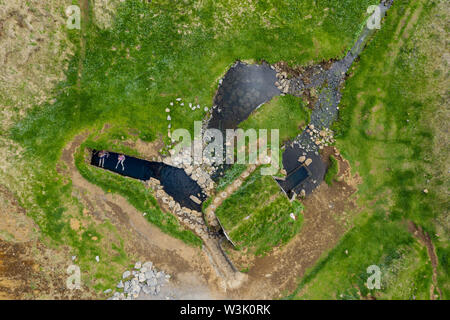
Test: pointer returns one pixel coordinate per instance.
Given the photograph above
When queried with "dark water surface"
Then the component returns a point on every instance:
(244, 88)
(174, 181)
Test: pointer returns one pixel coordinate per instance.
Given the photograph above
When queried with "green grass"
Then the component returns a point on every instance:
(385, 132)
(332, 171)
(156, 59)
(230, 175)
(288, 114)
(148, 58)
(153, 63)
(257, 215)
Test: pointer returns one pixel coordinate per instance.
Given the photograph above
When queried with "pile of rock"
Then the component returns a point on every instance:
(321, 138)
(303, 159)
(283, 82)
(143, 278)
(190, 218)
(198, 172)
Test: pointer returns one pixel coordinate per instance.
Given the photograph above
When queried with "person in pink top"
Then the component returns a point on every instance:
(121, 159)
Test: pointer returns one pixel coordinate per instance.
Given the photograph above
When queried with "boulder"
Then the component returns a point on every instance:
(148, 265)
(195, 199)
(147, 290)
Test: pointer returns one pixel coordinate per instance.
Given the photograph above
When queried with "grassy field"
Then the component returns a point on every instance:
(156, 52)
(153, 54)
(288, 114)
(386, 129)
(257, 215)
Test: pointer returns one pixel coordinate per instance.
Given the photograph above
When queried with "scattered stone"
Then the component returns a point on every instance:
(138, 265)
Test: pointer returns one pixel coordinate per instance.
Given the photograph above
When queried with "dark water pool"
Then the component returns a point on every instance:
(244, 88)
(294, 179)
(174, 181)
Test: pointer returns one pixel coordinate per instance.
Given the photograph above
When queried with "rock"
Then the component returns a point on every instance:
(201, 180)
(120, 284)
(148, 265)
(153, 290)
(127, 286)
(135, 290)
(142, 277)
(152, 282)
(311, 126)
(195, 199)
(149, 275)
(301, 159)
(302, 193)
(107, 291)
(143, 269)
(97, 258)
(146, 290)
(283, 172)
(308, 161)
(158, 289)
(167, 110)
(138, 265)
(425, 191)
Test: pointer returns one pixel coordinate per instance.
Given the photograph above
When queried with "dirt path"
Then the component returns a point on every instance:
(424, 239)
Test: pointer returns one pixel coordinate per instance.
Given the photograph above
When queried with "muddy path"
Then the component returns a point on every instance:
(425, 240)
